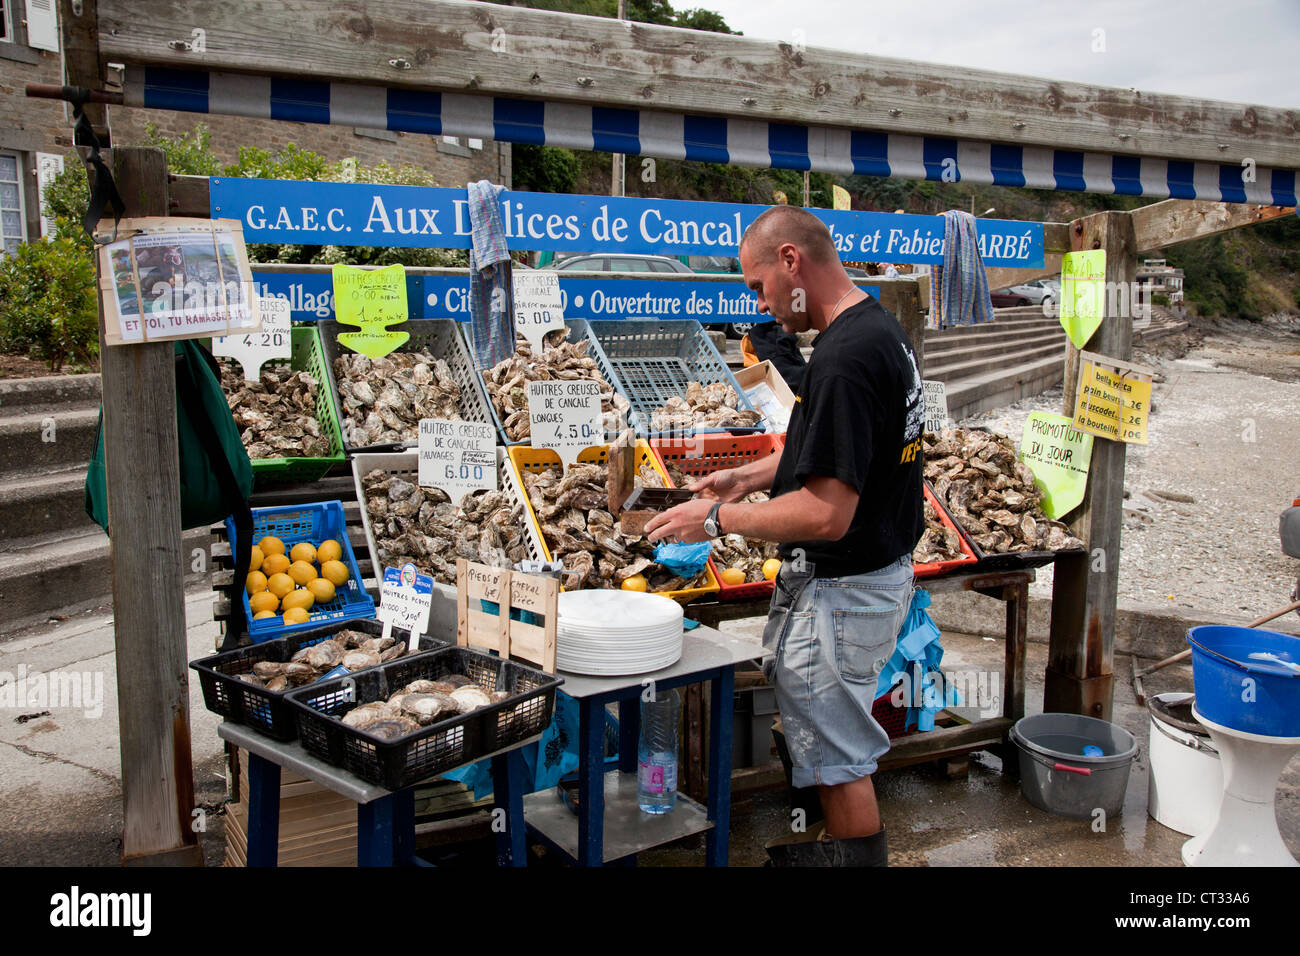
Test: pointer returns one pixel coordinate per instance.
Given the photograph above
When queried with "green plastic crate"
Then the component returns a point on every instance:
(307, 356)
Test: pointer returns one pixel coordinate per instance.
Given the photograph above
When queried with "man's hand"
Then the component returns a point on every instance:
(724, 486)
(684, 523)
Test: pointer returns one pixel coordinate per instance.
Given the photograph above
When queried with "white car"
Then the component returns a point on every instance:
(1044, 292)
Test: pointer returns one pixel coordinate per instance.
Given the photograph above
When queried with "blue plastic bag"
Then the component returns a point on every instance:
(915, 662)
(683, 560)
(545, 761)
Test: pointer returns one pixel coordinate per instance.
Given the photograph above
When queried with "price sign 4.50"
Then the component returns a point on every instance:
(565, 417)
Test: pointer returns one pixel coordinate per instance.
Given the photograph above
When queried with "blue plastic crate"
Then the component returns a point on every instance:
(312, 523)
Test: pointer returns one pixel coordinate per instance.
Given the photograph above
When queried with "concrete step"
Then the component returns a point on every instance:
(37, 442)
(959, 370)
(993, 389)
(951, 352)
(993, 332)
(23, 395)
(62, 572)
(43, 504)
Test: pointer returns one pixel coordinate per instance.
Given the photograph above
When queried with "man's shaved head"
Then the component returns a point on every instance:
(793, 224)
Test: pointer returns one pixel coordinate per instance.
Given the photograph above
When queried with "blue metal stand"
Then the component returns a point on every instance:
(263, 811)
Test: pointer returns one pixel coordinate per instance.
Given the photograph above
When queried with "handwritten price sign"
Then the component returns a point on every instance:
(252, 350)
(539, 306)
(458, 457)
(372, 299)
(565, 417)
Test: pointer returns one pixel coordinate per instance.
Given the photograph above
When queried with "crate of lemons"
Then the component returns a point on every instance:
(290, 584)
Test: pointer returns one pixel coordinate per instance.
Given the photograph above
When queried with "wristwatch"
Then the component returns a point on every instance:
(713, 527)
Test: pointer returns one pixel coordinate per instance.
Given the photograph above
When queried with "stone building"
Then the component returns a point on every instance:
(36, 135)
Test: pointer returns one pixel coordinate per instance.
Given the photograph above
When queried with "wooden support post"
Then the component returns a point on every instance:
(144, 508)
(1085, 588)
(903, 298)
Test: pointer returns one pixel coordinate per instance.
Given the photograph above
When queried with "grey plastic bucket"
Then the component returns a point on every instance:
(1057, 777)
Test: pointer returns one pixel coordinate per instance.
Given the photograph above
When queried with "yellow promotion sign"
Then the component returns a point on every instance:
(841, 197)
(1113, 399)
(1083, 294)
(371, 299)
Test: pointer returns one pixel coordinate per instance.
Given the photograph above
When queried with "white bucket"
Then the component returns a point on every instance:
(1186, 783)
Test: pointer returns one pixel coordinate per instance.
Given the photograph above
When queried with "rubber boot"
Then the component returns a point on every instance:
(820, 850)
(806, 798)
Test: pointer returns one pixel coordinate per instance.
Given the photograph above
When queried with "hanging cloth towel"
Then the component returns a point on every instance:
(959, 289)
(492, 313)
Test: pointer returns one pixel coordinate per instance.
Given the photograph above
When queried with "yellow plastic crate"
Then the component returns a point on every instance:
(525, 458)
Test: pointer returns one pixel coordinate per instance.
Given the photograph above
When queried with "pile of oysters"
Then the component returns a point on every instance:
(276, 414)
(419, 704)
(991, 493)
(704, 406)
(422, 526)
(506, 384)
(354, 650)
(938, 542)
(383, 399)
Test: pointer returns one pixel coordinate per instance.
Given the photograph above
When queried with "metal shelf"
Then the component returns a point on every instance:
(628, 831)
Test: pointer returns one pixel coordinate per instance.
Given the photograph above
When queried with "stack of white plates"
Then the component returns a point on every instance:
(607, 633)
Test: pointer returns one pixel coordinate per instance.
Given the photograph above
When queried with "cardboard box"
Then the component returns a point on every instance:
(770, 401)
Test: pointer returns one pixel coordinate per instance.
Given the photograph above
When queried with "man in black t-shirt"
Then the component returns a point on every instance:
(846, 507)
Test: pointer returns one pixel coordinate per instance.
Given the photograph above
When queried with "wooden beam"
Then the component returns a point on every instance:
(454, 46)
(144, 508)
(188, 196)
(1085, 588)
(1000, 278)
(1167, 223)
(81, 61)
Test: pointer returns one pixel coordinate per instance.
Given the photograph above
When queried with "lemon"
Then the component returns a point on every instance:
(329, 550)
(256, 581)
(771, 567)
(255, 561)
(733, 576)
(303, 551)
(296, 615)
(335, 572)
(271, 545)
(301, 572)
(299, 597)
(636, 582)
(264, 601)
(321, 589)
(275, 564)
(263, 614)
(279, 584)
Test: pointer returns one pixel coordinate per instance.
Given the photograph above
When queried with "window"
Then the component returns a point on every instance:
(6, 31)
(12, 221)
(656, 266)
(629, 265)
(451, 140)
(474, 143)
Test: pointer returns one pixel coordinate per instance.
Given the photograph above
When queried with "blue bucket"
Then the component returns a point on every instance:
(1251, 694)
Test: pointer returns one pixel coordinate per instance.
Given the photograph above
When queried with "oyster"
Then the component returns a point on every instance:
(938, 541)
(506, 383)
(597, 555)
(422, 526)
(383, 399)
(470, 698)
(276, 414)
(991, 493)
(703, 406)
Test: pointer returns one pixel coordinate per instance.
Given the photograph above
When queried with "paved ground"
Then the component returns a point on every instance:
(60, 774)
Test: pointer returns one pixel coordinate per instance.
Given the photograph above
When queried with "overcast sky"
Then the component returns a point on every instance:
(1245, 51)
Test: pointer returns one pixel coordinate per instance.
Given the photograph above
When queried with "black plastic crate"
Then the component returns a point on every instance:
(265, 710)
(443, 745)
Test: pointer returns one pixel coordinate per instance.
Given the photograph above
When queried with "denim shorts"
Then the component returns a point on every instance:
(830, 638)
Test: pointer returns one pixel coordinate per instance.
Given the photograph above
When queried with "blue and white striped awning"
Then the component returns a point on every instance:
(741, 142)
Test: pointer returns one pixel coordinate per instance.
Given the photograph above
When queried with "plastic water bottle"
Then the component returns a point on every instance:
(656, 758)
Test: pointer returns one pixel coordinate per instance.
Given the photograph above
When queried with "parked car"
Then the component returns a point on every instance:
(614, 262)
(1044, 292)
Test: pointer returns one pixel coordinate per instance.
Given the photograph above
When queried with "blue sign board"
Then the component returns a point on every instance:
(361, 214)
(311, 297)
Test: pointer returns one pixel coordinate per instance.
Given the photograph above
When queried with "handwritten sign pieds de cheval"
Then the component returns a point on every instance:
(372, 299)
(565, 417)
(457, 457)
(405, 597)
(1059, 455)
(252, 350)
(1113, 398)
(539, 306)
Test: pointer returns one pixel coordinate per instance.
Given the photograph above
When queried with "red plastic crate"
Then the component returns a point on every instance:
(704, 454)
(943, 567)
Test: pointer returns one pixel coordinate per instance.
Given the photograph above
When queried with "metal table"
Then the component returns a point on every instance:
(609, 826)
(385, 818)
